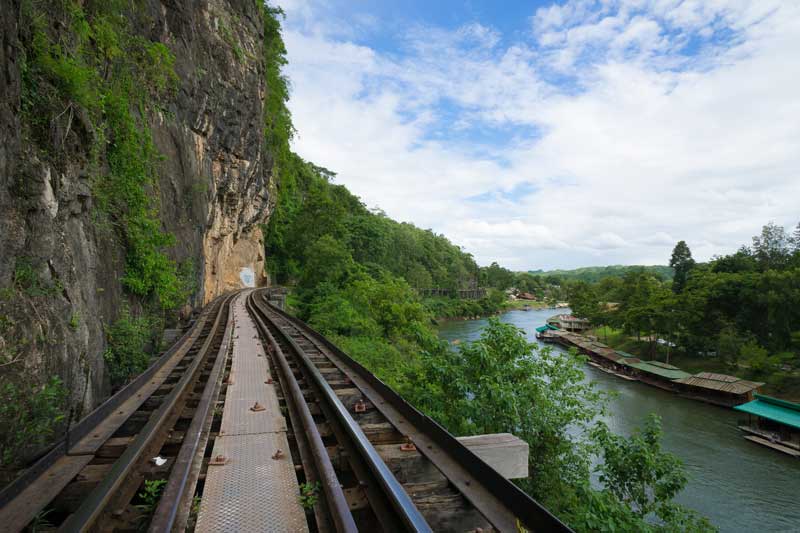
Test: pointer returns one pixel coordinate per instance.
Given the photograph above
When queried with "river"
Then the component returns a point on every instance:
(738, 485)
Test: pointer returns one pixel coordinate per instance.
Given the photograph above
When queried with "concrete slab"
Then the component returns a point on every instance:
(506, 453)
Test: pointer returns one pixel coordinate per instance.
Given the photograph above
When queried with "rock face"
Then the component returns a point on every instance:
(214, 188)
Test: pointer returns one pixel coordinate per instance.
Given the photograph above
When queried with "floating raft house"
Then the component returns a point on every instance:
(719, 389)
(727, 390)
(776, 424)
(777, 410)
(658, 368)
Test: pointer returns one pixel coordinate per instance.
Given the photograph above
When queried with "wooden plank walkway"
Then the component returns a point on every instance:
(773, 445)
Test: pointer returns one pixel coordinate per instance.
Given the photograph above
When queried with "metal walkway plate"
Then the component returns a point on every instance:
(252, 491)
(249, 371)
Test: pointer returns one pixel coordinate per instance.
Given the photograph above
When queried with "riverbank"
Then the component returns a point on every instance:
(715, 388)
(724, 469)
(444, 309)
(778, 383)
(530, 304)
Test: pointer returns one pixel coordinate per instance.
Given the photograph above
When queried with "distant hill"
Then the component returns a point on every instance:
(594, 274)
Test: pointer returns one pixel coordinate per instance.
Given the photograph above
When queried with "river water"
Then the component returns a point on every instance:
(738, 485)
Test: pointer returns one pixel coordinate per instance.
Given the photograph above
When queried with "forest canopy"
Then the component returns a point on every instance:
(742, 308)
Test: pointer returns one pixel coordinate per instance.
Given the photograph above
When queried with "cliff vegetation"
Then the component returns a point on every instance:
(109, 111)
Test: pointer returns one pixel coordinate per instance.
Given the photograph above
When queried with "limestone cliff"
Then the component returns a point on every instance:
(60, 266)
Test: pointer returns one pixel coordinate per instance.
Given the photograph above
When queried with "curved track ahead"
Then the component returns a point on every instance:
(380, 464)
(394, 469)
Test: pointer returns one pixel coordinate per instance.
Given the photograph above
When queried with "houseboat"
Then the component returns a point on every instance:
(718, 389)
(569, 323)
(542, 331)
(773, 423)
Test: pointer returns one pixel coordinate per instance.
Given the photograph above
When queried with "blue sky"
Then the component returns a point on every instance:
(556, 135)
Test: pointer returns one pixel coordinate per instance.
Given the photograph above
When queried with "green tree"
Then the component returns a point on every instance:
(328, 260)
(126, 355)
(795, 239)
(771, 247)
(645, 479)
(682, 262)
(496, 276)
(584, 300)
(30, 413)
(729, 344)
(636, 470)
(741, 261)
(503, 383)
(756, 357)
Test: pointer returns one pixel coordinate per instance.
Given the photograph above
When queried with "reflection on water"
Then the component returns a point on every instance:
(739, 485)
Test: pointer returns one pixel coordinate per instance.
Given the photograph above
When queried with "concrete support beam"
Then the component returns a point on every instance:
(504, 452)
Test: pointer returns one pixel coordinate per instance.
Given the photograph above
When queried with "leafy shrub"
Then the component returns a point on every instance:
(126, 355)
(27, 280)
(150, 496)
(30, 414)
(309, 494)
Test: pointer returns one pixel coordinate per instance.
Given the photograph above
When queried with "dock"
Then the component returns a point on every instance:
(718, 389)
(773, 445)
(773, 423)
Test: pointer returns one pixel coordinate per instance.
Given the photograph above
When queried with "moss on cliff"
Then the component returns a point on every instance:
(84, 61)
(109, 110)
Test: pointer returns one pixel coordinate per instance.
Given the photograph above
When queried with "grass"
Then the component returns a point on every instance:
(519, 304)
(28, 281)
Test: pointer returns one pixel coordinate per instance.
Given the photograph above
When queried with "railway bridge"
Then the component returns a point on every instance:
(252, 421)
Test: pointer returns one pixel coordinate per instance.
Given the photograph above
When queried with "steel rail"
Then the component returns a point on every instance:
(172, 511)
(86, 425)
(511, 506)
(334, 495)
(409, 514)
(26, 495)
(93, 506)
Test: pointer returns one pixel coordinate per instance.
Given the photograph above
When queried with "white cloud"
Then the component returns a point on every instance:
(642, 145)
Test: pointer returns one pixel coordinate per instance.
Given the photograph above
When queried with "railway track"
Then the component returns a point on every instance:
(381, 464)
(152, 433)
(370, 460)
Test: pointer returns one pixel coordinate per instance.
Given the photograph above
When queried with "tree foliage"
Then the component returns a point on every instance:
(30, 414)
(599, 273)
(771, 248)
(126, 355)
(681, 262)
(503, 383)
(744, 306)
